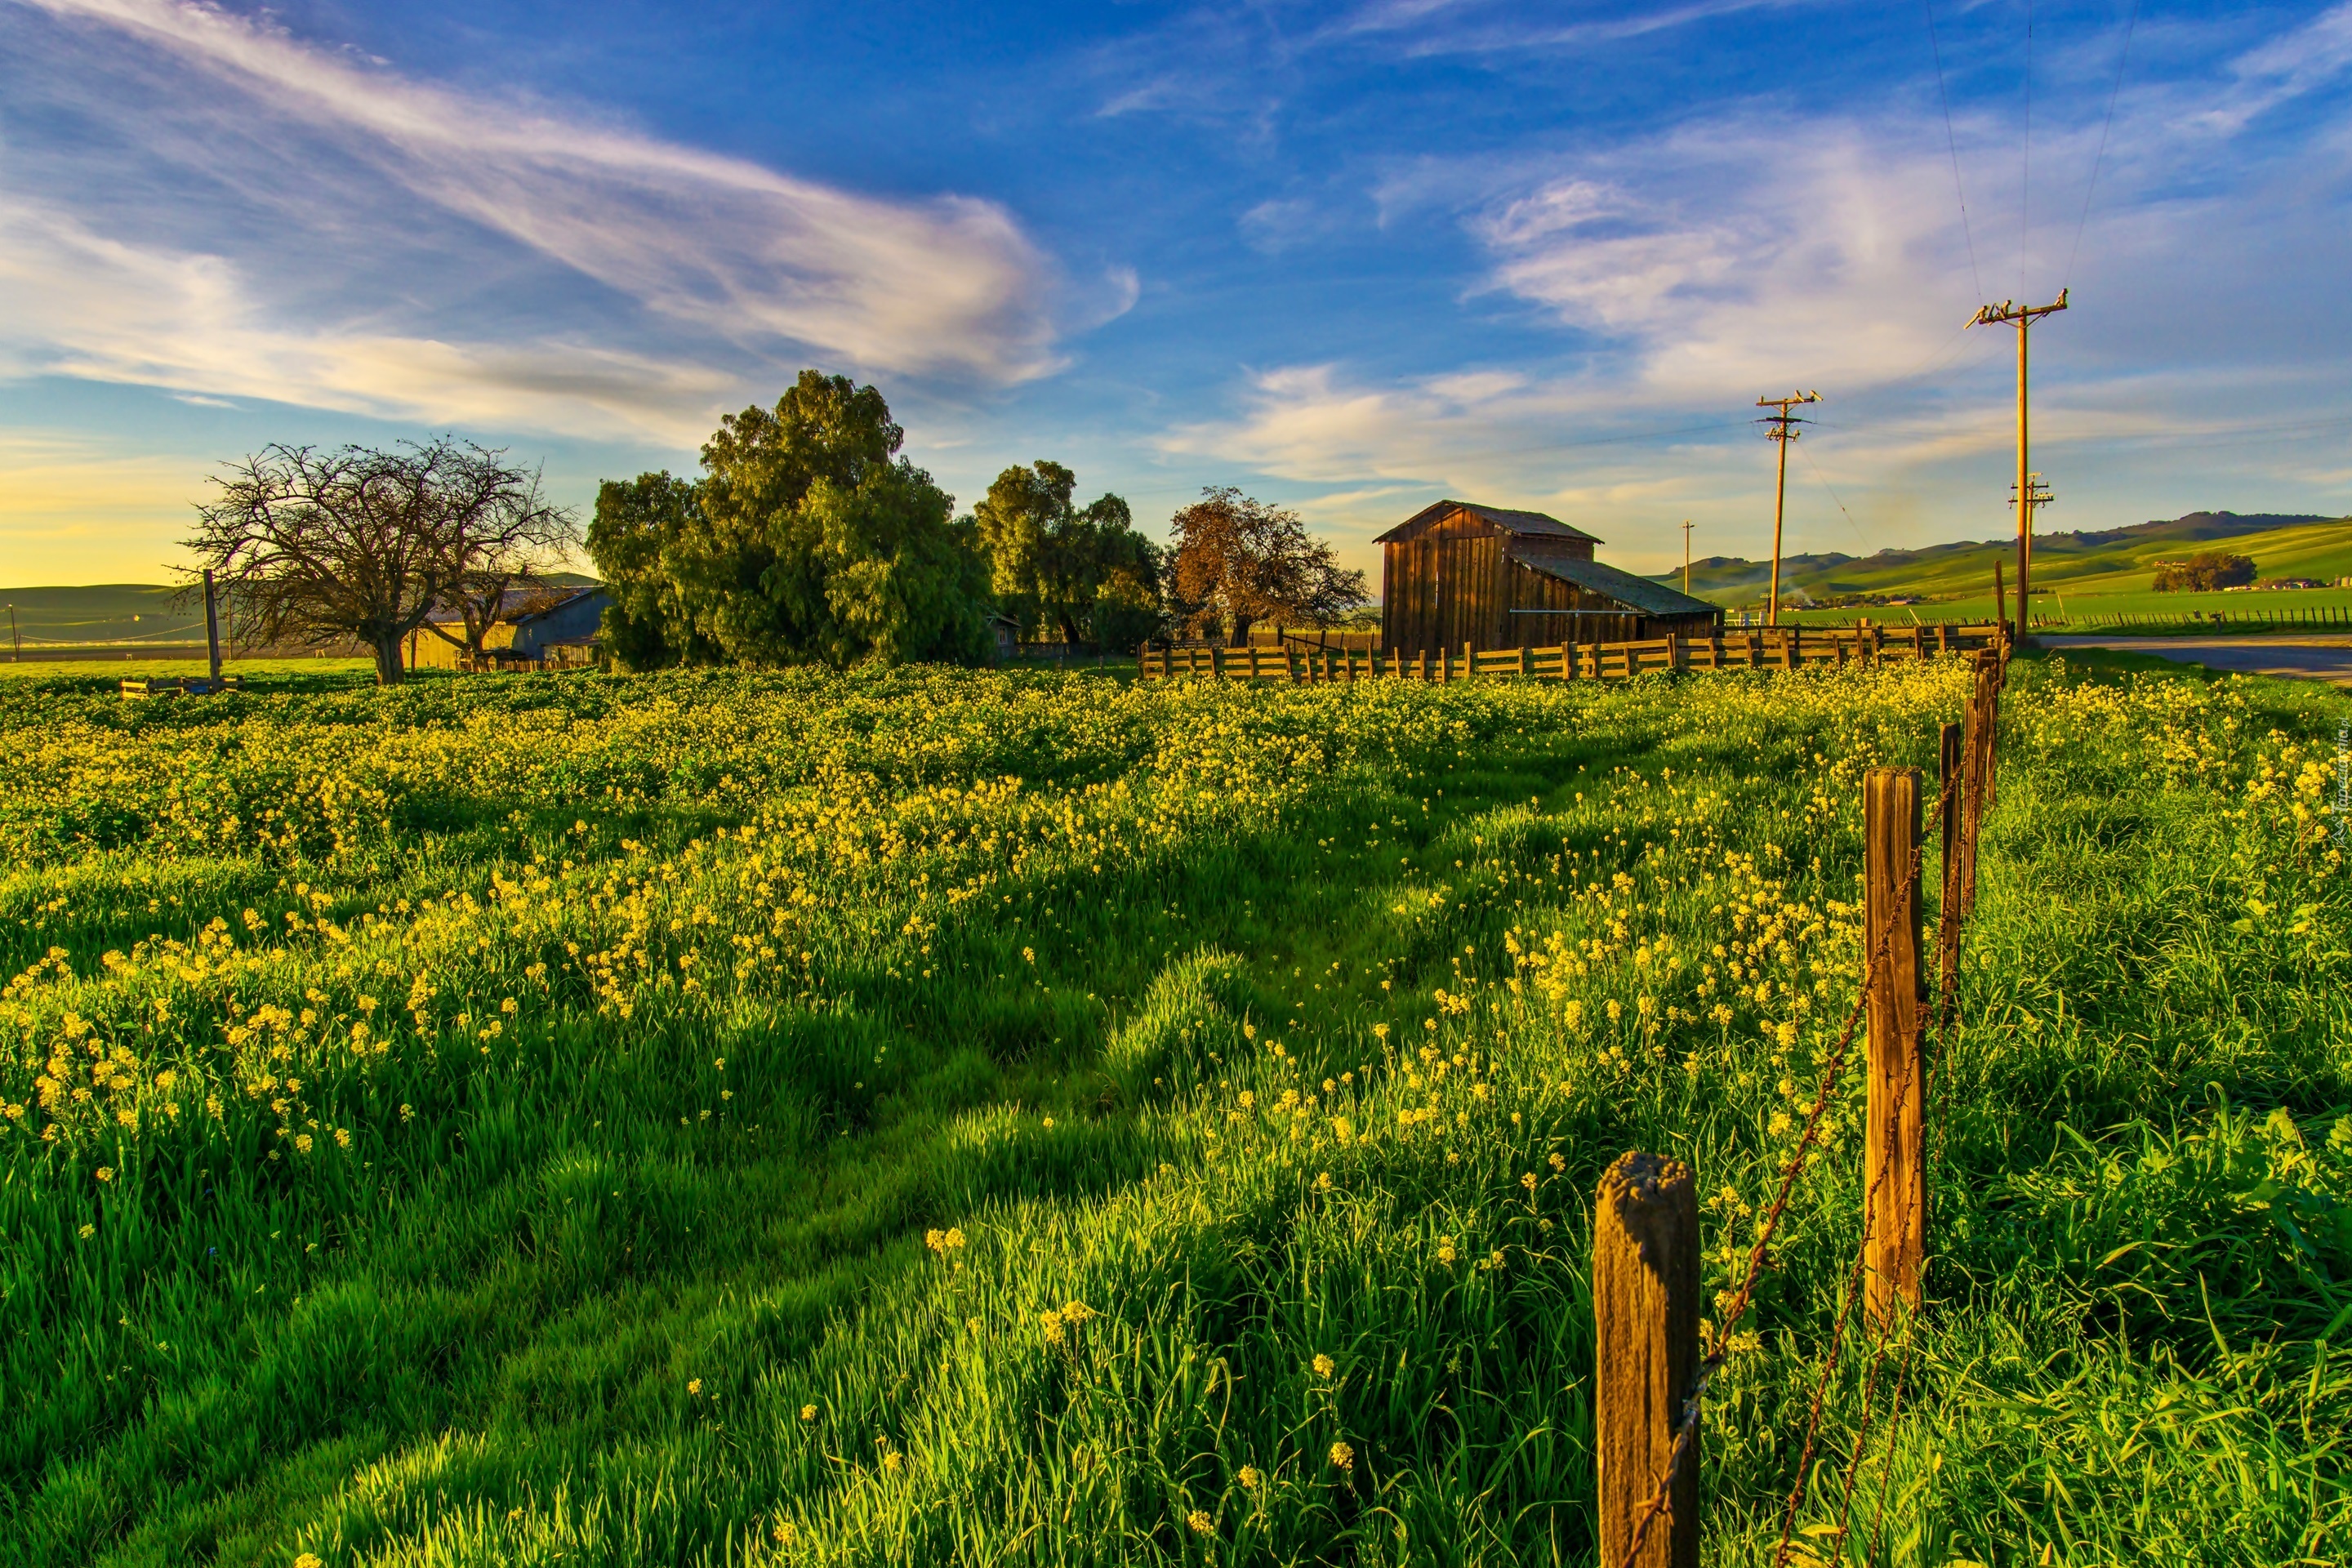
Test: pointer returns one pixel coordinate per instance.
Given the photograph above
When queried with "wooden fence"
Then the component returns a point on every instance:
(1785, 647)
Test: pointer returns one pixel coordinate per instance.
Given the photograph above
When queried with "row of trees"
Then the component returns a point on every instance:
(808, 537)
(2204, 572)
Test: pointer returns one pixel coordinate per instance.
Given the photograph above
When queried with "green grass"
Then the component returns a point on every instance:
(1206, 1031)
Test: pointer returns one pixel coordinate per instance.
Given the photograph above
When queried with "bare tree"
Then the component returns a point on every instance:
(1238, 560)
(364, 545)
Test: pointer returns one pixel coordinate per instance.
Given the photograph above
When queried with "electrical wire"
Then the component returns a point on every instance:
(2025, 161)
(1859, 535)
(2115, 92)
(1952, 142)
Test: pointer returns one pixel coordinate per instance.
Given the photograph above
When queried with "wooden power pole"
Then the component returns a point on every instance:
(2037, 495)
(1686, 527)
(2022, 318)
(1781, 427)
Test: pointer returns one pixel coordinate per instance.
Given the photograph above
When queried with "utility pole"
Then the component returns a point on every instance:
(212, 628)
(15, 646)
(1783, 429)
(2022, 318)
(1686, 527)
(2037, 495)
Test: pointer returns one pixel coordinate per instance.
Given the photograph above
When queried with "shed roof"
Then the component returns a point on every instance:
(524, 603)
(1650, 598)
(1522, 524)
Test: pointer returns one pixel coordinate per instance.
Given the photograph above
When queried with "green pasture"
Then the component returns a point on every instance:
(927, 1117)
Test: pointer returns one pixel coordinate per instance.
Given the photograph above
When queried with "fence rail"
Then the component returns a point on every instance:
(1782, 649)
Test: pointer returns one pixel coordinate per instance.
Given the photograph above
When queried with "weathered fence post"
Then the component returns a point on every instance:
(1894, 1172)
(1646, 1312)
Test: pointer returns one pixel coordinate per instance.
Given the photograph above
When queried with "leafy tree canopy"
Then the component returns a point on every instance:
(1085, 571)
(2204, 572)
(807, 538)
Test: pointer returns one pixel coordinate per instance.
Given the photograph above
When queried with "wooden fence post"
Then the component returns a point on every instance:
(1646, 1312)
(1894, 1170)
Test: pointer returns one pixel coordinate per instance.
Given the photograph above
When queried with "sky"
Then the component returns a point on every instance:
(1348, 257)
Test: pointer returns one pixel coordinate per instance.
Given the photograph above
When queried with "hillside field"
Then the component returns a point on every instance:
(2103, 572)
(924, 1117)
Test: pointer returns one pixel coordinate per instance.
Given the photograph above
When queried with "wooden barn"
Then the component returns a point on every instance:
(1456, 572)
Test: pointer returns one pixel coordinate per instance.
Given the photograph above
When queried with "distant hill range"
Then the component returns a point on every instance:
(2106, 560)
(122, 614)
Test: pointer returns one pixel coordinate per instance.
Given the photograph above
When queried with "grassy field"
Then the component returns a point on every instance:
(932, 1117)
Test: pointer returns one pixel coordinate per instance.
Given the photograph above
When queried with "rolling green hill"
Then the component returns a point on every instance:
(121, 613)
(2111, 565)
(108, 613)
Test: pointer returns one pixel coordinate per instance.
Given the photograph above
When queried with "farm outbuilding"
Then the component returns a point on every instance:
(1458, 573)
(535, 627)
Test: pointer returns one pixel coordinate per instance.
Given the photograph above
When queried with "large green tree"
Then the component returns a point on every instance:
(807, 538)
(1084, 572)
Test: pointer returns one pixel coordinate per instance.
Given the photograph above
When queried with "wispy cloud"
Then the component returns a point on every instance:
(752, 264)
(1688, 271)
(2287, 67)
(88, 306)
(1446, 26)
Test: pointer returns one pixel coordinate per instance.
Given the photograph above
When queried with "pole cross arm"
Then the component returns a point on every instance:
(2010, 310)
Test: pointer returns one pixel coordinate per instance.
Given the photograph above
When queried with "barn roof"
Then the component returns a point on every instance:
(522, 603)
(1522, 524)
(1650, 598)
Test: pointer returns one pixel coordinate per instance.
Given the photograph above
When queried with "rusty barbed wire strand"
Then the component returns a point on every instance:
(1886, 1456)
(1687, 1426)
(1831, 1357)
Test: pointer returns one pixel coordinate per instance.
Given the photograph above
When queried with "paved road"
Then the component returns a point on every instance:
(2311, 658)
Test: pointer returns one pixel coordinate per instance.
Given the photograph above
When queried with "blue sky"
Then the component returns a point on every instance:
(1349, 257)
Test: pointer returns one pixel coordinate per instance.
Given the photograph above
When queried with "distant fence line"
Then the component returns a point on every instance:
(2305, 617)
(1785, 647)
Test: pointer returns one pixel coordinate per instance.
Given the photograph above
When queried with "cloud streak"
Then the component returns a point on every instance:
(674, 243)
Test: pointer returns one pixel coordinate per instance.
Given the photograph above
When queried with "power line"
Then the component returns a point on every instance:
(2114, 93)
(1953, 142)
(1858, 533)
(2025, 159)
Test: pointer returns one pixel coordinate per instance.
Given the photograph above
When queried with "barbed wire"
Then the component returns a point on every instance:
(1686, 1425)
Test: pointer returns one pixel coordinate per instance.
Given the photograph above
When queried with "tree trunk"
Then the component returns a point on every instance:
(1242, 625)
(388, 671)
